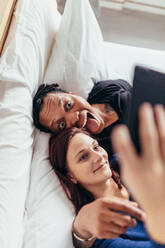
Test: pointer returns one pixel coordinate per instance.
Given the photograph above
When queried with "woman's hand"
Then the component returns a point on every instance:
(145, 174)
(103, 218)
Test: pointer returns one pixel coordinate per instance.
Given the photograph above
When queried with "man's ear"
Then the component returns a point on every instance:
(72, 178)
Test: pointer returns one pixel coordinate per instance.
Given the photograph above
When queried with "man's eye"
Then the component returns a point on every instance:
(62, 125)
(68, 105)
(83, 157)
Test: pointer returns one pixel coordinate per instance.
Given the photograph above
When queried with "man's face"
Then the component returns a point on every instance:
(65, 110)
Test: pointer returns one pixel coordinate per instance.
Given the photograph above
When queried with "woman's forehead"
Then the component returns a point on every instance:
(78, 144)
(81, 141)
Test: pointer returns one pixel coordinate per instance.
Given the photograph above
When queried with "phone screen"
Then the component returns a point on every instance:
(148, 86)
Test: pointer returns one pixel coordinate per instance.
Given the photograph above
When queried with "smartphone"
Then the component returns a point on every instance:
(148, 86)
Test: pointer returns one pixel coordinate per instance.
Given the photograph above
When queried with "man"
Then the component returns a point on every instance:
(54, 110)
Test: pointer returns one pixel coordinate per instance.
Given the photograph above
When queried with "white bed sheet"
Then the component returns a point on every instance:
(49, 213)
(22, 67)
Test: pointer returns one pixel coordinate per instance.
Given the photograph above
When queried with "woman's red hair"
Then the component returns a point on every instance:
(58, 146)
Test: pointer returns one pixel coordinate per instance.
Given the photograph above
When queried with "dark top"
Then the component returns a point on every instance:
(135, 237)
(117, 93)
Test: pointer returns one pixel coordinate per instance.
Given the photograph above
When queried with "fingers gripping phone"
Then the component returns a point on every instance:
(148, 86)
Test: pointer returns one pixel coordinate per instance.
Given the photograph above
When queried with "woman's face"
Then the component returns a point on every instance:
(87, 161)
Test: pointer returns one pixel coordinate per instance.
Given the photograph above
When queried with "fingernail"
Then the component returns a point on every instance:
(122, 131)
(146, 105)
(133, 222)
(143, 216)
(159, 106)
(135, 204)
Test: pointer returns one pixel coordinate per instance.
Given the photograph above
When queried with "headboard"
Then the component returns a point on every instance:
(6, 11)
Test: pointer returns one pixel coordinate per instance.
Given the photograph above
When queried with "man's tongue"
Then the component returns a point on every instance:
(92, 125)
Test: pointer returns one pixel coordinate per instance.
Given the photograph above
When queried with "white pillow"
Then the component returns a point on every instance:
(29, 43)
(49, 212)
(123, 58)
(78, 55)
(22, 68)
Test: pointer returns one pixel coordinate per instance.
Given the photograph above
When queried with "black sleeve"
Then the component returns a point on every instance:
(115, 92)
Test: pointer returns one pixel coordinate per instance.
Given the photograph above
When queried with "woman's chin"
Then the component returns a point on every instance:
(106, 172)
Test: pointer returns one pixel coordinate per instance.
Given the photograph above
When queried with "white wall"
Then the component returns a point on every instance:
(152, 6)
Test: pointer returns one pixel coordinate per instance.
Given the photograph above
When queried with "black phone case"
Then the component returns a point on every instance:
(148, 86)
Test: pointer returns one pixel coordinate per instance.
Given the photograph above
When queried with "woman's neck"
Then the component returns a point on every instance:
(108, 189)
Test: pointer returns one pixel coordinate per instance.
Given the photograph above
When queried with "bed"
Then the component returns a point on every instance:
(34, 211)
(6, 12)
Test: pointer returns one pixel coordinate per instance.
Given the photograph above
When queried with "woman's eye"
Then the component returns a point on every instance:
(62, 125)
(68, 105)
(96, 148)
(83, 157)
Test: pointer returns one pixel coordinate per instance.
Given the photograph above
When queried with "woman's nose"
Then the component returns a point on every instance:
(97, 156)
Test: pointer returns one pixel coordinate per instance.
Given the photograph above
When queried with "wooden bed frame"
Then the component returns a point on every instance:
(6, 12)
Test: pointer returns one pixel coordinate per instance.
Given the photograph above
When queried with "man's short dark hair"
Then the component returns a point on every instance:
(38, 100)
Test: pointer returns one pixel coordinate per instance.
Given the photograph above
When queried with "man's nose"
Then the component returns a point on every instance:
(74, 117)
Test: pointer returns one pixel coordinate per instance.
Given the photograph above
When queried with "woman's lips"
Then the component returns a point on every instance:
(100, 167)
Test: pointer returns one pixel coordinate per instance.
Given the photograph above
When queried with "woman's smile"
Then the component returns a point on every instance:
(100, 167)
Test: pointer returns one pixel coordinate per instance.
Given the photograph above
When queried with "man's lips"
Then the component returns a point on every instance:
(83, 118)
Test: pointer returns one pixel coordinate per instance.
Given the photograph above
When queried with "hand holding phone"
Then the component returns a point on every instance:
(148, 86)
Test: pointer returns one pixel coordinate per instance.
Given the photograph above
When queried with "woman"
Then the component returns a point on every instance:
(85, 174)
